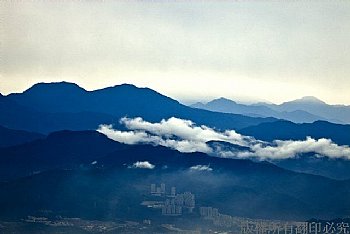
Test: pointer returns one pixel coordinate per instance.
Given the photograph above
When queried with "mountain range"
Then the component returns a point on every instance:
(305, 110)
(48, 107)
(67, 172)
(52, 158)
(285, 130)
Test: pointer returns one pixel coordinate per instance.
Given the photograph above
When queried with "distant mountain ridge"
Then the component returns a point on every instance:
(285, 130)
(298, 111)
(58, 106)
(48, 107)
(335, 113)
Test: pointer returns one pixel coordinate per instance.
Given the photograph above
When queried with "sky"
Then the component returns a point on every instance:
(189, 50)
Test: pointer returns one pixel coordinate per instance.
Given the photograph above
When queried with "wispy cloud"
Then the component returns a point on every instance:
(201, 168)
(127, 137)
(185, 136)
(288, 149)
(143, 165)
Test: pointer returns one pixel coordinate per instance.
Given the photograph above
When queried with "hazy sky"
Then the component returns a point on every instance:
(264, 50)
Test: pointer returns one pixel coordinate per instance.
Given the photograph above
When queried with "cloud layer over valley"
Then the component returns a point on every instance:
(186, 136)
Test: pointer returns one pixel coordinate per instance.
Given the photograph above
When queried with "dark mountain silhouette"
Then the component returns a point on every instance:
(285, 130)
(312, 164)
(10, 137)
(51, 97)
(58, 106)
(65, 149)
(64, 104)
(17, 116)
(84, 174)
(228, 106)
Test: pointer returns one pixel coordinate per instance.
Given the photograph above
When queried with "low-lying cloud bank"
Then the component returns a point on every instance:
(185, 136)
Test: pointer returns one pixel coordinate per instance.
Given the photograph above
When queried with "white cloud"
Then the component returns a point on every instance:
(127, 137)
(144, 165)
(201, 168)
(188, 137)
(185, 136)
(288, 149)
(183, 129)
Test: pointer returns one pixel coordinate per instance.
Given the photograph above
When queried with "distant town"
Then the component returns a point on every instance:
(175, 211)
(177, 204)
(175, 207)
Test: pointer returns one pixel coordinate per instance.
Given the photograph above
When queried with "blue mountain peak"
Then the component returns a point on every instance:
(54, 86)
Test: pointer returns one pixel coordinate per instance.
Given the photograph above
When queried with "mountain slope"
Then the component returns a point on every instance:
(112, 187)
(17, 116)
(311, 164)
(65, 149)
(65, 100)
(10, 137)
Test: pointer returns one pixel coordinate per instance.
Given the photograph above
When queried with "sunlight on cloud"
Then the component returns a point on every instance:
(185, 136)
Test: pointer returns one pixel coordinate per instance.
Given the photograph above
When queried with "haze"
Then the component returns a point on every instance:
(187, 50)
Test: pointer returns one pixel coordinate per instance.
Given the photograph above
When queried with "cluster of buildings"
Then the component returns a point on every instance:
(219, 219)
(208, 212)
(174, 204)
(181, 202)
(171, 208)
(161, 190)
(177, 204)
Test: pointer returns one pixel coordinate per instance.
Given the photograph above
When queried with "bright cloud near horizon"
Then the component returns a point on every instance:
(195, 50)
